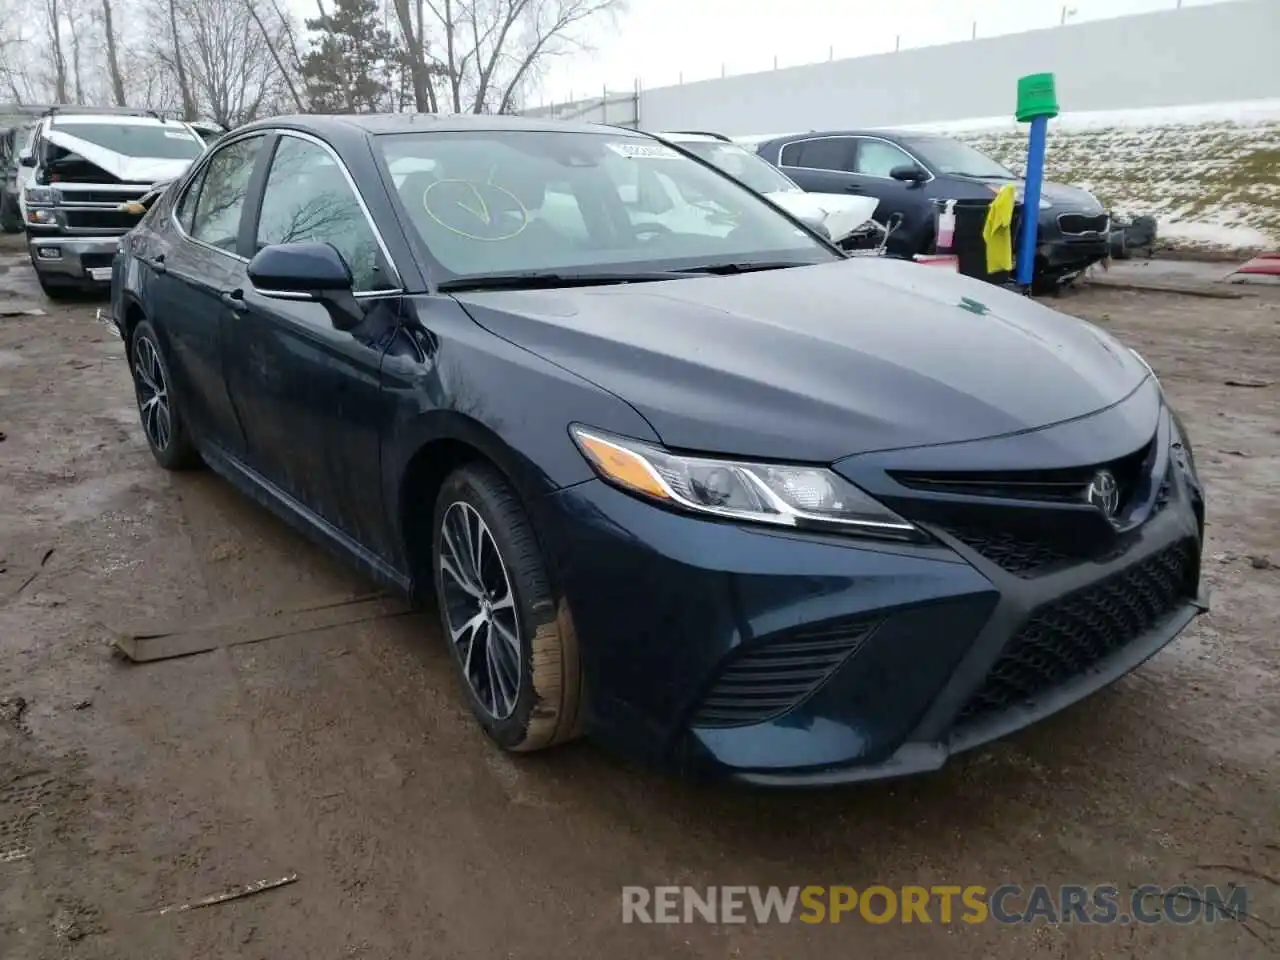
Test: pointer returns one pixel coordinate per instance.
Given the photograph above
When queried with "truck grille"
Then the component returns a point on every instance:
(101, 220)
(766, 679)
(102, 196)
(1070, 636)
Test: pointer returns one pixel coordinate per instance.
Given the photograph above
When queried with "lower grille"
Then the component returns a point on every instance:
(1064, 639)
(92, 261)
(766, 679)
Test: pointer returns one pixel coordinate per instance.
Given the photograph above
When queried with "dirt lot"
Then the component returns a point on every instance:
(346, 756)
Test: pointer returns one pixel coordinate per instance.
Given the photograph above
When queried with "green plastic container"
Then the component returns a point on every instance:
(1037, 97)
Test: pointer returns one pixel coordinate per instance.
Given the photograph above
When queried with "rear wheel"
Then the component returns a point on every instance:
(511, 640)
(162, 420)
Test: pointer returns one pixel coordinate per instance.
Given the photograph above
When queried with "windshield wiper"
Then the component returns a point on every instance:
(549, 279)
(749, 266)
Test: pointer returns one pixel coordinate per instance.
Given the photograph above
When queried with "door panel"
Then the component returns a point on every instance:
(873, 162)
(310, 399)
(190, 278)
(308, 394)
(821, 165)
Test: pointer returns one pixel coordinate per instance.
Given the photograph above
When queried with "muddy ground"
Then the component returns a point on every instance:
(347, 756)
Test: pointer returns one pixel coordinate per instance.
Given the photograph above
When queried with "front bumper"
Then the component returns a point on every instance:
(1063, 251)
(789, 659)
(84, 259)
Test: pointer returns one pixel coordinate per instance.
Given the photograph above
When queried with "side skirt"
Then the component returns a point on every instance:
(303, 519)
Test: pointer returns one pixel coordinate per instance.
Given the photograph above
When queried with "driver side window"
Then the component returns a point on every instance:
(307, 198)
(877, 157)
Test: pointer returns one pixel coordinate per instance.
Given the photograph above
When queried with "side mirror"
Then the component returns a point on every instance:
(27, 160)
(307, 271)
(908, 173)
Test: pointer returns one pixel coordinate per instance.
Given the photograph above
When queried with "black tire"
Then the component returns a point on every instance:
(53, 291)
(545, 709)
(162, 422)
(10, 216)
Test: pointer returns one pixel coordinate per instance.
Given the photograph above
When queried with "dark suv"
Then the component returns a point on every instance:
(907, 172)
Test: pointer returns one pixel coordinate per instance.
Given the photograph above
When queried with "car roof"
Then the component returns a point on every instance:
(861, 132)
(379, 123)
(112, 119)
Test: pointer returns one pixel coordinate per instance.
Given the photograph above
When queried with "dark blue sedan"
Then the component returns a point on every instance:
(696, 485)
(908, 172)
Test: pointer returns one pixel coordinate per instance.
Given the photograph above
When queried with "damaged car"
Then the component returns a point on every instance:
(87, 173)
(846, 220)
(733, 502)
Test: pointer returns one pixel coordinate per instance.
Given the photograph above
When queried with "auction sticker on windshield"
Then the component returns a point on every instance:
(643, 151)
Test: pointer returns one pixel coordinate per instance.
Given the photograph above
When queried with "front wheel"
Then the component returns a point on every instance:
(162, 420)
(512, 642)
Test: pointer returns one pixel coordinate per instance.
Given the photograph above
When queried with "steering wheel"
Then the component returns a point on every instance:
(652, 229)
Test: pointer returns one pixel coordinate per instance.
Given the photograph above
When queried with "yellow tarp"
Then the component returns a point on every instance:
(998, 231)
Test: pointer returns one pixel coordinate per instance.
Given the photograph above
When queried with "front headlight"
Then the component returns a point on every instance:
(1045, 204)
(41, 196)
(782, 495)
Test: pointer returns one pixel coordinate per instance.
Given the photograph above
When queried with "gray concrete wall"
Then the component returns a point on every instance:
(1202, 54)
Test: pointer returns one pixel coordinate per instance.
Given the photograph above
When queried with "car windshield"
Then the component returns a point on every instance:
(160, 142)
(957, 159)
(750, 168)
(574, 203)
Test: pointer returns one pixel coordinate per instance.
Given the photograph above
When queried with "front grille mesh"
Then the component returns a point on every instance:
(766, 679)
(1066, 638)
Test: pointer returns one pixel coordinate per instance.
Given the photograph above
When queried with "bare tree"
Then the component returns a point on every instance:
(282, 45)
(53, 16)
(493, 48)
(76, 27)
(228, 62)
(178, 62)
(113, 57)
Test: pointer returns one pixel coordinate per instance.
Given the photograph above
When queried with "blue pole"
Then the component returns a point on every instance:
(1031, 200)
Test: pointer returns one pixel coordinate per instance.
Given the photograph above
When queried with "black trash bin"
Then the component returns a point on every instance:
(967, 243)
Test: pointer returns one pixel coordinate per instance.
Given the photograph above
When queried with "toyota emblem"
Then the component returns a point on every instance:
(1104, 493)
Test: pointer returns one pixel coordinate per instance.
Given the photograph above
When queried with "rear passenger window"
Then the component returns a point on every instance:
(222, 194)
(186, 208)
(829, 153)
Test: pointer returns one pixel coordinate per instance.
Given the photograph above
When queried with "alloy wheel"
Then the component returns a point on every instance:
(153, 393)
(480, 609)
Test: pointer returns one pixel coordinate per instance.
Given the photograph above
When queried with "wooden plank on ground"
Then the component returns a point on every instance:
(147, 644)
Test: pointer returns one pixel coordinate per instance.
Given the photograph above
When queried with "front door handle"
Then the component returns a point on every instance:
(235, 300)
(157, 263)
(853, 188)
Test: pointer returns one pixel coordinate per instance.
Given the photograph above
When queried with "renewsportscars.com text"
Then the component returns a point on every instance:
(1006, 904)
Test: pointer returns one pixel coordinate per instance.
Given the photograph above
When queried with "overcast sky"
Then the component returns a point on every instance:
(658, 40)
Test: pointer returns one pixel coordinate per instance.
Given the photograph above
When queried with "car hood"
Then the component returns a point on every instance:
(120, 166)
(1060, 195)
(841, 215)
(816, 363)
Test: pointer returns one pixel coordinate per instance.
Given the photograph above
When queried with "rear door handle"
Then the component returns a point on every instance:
(157, 263)
(235, 300)
(853, 188)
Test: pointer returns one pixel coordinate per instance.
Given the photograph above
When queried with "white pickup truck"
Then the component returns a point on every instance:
(81, 175)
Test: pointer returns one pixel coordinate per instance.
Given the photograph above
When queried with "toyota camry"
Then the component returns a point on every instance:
(702, 489)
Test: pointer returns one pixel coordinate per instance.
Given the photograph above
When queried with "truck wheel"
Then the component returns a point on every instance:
(52, 290)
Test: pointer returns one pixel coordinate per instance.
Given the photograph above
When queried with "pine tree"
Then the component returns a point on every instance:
(346, 70)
